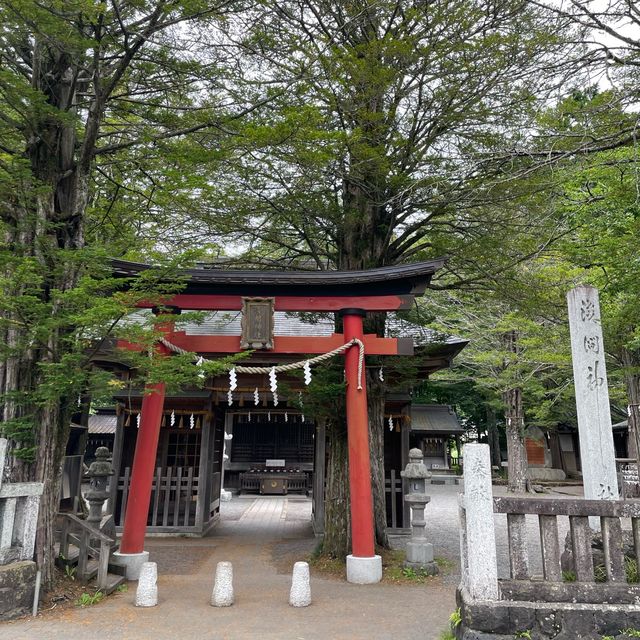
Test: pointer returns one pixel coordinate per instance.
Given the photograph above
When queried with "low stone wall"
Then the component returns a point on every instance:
(17, 585)
(503, 619)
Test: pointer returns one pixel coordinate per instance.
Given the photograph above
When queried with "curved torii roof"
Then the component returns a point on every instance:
(404, 281)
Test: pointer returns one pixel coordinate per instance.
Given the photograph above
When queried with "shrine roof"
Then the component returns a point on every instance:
(407, 279)
(435, 418)
(228, 323)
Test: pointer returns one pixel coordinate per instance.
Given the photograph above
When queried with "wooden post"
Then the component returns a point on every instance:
(204, 471)
(116, 459)
(320, 443)
(363, 566)
(405, 429)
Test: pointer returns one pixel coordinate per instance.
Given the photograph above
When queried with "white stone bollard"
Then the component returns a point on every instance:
(300, 595)
(147, 591)
(222, 595)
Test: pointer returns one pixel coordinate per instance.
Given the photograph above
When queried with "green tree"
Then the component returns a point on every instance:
(602, 197)
(389, 144)
(80, 82)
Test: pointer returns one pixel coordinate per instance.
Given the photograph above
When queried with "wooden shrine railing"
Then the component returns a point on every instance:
(578, 585)
(174, 495)
(615, 544)
(19, 505)
(394, 499)
(89, 546)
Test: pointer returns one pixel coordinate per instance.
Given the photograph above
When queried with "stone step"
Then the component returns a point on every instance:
(70, 559)
(92, 570)
(113, 582)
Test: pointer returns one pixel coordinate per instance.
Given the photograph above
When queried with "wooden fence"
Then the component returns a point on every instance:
(19, 505)
(87, 546)
(174, 496)
(584, 582)
(581, 582)
(394, 499)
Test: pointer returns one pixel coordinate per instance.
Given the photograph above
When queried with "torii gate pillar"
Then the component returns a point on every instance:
(363, 565)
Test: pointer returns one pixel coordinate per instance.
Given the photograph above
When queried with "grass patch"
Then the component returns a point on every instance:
(393, 569)
(87, 599)
(445, 565)
(454, 622)
(327, 566)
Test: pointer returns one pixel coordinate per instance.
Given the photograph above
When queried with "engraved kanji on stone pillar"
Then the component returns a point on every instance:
(480, 567)
(597, 452)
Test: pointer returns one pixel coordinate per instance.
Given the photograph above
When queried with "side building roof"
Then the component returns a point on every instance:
(435, 418)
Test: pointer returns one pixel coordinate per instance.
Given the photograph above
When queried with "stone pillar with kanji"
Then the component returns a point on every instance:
(597, 452)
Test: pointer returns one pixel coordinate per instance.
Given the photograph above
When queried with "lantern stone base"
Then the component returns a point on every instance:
(364, 570)
(419, 552)
(132, 562)
(420, 556)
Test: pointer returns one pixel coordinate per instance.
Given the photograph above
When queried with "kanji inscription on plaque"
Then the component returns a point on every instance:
(257, 323)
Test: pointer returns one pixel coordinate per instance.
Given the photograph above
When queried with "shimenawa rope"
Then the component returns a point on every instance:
(292, 365)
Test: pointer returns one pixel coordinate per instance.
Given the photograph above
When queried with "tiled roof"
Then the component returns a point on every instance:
(214, 274)
(435, 418)
(402, 281)
(102, 423)
(227, 323)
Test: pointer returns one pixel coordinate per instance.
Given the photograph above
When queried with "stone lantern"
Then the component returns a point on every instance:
(419, 551)
(99, 471)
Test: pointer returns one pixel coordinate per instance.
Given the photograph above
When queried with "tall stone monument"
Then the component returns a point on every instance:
(597, 452)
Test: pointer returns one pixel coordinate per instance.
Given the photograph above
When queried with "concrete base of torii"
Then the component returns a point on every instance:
(364, 570)
(132, 562)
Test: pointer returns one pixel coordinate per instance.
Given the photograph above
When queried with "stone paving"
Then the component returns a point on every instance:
(249, 538)
(263, 536)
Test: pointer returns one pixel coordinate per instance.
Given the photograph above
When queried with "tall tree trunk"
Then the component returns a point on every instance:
(493, 436)
(376, 402)
(45, 227)
(337, 516)
(514, 418)
(631, 363)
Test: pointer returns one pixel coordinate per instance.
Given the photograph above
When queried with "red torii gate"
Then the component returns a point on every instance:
(350, 293)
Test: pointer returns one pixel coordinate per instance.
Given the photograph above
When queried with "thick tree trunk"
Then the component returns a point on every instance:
(514, 418)
(376, 402)
(516, 452)
(631, 363)
(337, 517)
(493, 436)
(43, 229)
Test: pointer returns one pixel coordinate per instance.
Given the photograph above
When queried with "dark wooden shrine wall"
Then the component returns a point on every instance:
(261, 439)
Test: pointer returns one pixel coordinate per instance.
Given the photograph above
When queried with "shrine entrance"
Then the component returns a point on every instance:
(257, 295)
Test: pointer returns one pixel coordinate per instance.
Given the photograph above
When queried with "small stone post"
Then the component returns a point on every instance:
(222, 595)
(99, 471)
(597, 452)
(300, 594)
(147, 591)
(481, 559)
(419, 551)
